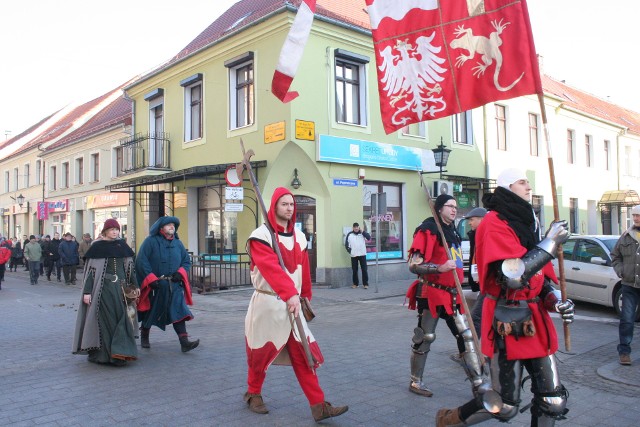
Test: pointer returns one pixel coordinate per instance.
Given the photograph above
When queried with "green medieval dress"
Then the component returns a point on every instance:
(104, 329)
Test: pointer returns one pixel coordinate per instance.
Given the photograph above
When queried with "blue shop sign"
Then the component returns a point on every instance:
(369, 153)
(343, 182)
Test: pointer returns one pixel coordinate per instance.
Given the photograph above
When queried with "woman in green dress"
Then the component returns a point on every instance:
(106, 327)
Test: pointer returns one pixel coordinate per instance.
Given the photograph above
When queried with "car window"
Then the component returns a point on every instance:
(586, 249)
(464, 228)
(567, 249)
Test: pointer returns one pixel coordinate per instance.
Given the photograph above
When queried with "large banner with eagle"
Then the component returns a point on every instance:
(438, 58)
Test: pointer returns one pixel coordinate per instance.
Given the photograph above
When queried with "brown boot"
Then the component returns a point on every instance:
(448, 417)
(144, 338)
(255, 402)
(324, 410)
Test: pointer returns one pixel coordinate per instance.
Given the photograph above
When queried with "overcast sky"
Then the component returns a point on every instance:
(54, 53)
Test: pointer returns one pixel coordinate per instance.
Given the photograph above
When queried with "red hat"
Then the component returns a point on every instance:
(110, 223)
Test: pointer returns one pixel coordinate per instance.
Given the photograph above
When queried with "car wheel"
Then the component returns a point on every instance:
(617, 302)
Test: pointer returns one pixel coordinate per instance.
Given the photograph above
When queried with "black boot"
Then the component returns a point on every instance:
(144, 338)
(187, 345)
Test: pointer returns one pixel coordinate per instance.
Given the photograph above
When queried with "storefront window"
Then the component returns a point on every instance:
(101, 215)
(385, 227)
(217, 227)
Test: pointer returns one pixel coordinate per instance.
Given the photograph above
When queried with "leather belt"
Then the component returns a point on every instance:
(111, 277)
(273, 294)
(511, 301)
(452, 291)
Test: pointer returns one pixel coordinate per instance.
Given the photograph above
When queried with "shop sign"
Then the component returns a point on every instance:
(234, 193)
(305, 130)
(233, 207)
(107, 200)
(179, 200)
(342, 182)
(369, 153)
(6, 211)
(43, 211)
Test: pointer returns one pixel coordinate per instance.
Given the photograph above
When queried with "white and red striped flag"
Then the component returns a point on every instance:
(292, 51)
(438, 58)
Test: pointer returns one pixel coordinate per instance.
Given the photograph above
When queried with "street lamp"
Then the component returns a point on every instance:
(19, 200)
(295, 183)
(441, 157)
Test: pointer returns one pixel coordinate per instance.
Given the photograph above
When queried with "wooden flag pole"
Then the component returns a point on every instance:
(556, 217)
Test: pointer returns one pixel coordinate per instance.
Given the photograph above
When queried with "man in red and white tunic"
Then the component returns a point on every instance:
(269, 334)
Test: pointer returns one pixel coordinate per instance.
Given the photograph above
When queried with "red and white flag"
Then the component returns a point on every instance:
(438, 58)
(292, 51)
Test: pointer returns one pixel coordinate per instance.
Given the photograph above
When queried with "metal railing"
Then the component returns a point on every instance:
(215, 272)
(143, 151)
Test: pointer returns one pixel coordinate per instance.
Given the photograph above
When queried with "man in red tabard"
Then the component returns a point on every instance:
(269, 335)
(517, 332)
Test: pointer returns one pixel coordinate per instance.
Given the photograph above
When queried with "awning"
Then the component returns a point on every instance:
(215, 172)
(621, 198)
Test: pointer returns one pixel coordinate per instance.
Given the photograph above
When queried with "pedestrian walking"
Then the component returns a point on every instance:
(5, 255)
(33, 254)
(83, 247)
(625, 258)
(269, 333)
(51, 256)
(162, 266)
(106, 325)
(68, 254)
(515, 274)
(356, 245)
(17, 255)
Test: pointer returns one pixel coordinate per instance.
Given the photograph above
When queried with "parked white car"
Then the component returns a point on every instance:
(588, 271)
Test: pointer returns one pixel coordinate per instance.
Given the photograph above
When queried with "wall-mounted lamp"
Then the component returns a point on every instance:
(295, 182)
(19, 200)
(441, 156)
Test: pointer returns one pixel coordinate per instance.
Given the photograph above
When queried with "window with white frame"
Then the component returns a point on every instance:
(192, 107)
(241, 91)
(534, 132)
(64, 176)
(573, 215)
(53, 178)
(461, 128)
(501, 126)
(38, 172)
(94, 167)
(415, 129)
(607, 154)
(16, 174)
(588, 150)
(6, 182)
(156, 152)
(79, 175)
(351, 87)
(571, 146)
(25, 180)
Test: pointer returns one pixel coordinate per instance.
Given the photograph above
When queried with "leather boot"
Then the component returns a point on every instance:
(448, 417)
(187, 345)
(324, 410)
(255, 402)
(144, 338)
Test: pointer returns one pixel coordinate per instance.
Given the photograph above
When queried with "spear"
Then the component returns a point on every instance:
(240, 167)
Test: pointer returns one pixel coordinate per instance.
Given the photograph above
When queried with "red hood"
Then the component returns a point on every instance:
(277, 194)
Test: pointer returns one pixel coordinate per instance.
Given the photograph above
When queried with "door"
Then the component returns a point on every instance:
(306, 222)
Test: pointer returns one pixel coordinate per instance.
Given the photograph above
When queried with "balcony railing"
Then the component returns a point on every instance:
(140, 152)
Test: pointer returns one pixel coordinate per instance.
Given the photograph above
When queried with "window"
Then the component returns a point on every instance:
(6, 182)
(155, 153)
(79, 171)
(350, 87)
(627, 161)
(501, 126)
(588, 147)
(192, 107)
(415, 129)
(607, 151)
(571, 146)
(585, 250)
(387, 226)
(64, 177)
(26, 176)
(573, 215)
(94, 170)
(52, 178)
(15, 178)
(38, 172)
(242, 91)
(534, 133)
(461, 128)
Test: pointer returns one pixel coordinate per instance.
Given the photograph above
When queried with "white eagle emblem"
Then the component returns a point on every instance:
(411, 76)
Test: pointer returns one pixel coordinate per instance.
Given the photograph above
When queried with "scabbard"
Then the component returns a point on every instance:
(303, 339)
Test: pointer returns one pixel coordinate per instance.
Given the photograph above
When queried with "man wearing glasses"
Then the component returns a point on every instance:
(433, 292)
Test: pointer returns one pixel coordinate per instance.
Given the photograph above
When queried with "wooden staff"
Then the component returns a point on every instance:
(240, 167)
(556, 217)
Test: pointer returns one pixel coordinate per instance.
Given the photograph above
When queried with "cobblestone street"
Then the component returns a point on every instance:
(364, 336)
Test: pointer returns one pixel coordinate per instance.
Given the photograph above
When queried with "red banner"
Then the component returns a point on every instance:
(438, 58)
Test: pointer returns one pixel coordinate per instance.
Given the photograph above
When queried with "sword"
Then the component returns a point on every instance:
(240, 167)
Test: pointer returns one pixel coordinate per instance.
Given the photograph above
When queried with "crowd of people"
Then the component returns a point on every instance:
(510, 329)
